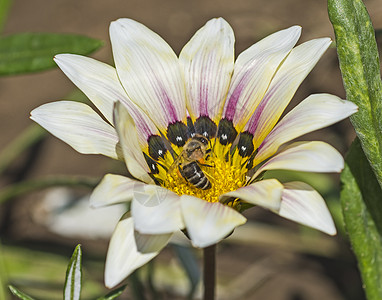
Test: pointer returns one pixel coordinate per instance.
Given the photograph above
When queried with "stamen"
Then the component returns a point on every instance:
(224, 176)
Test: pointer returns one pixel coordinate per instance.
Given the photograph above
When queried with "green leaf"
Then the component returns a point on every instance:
(362, 209)
(113, 294)
(359, 63)
(32, 52)
(4, 8)
(72, 289)
(19, 294)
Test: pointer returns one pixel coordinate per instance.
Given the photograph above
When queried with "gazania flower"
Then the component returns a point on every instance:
(197, 132)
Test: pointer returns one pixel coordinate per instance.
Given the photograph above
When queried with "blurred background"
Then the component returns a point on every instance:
(268, 258)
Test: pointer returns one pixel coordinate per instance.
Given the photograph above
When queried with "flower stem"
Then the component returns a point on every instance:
(209, 262)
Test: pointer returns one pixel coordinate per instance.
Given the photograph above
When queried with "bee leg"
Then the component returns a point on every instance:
(208, 154)
(206, 165)
(181, 173)
(211, 178)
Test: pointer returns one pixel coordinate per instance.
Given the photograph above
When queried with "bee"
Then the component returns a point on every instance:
(187, 162)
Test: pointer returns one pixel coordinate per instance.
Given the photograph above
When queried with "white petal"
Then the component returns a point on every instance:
(288, 78)
(79, 126)
(114, 189)
(253, 71)
(133, 155)
(207, 223)
(302, 204)
(306, 156)
(122, 256)
(149, 71)
(315, 112)
(265, 193)
(156, 210)
(207, 64)
(101, 85)
(97, 80)
(148, 243)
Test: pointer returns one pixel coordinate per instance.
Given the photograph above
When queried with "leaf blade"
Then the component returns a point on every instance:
(32, 52)
(113, 294)
(4, 9)
(72, 289)
(19, 294)
(359, 62)
(362, 209)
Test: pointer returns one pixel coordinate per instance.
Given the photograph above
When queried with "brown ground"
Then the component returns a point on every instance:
(296, 277)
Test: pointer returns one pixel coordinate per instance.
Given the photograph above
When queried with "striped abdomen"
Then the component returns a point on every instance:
(194, 175)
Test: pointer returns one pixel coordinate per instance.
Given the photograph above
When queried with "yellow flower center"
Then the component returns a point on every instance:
(223, 172)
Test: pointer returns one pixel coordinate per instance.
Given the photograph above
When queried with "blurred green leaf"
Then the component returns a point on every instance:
(3, 276)
(362, 209)
(359, 62)
(113, 294)
(136, 286)
(27, 186)
(32, 52)
(40, 273)
(190, 265)
(72, 289)
(4, 9)
(323, 183)
(150, 281)
(13, 150)
(19, 294)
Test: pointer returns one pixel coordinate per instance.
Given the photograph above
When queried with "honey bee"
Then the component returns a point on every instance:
(187, 162)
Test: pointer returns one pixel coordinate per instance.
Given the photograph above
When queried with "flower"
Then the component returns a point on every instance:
(155, 104)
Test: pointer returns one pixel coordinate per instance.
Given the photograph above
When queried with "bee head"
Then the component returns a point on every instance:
(202, 139)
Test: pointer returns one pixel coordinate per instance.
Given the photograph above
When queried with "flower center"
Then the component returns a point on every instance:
(219, 168)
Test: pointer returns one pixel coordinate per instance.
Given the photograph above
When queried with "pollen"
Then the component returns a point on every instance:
(223, 175)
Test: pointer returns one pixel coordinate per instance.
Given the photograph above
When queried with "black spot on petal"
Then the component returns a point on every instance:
(157, 147)
(190, 126)
(153, 165)
(205, 126)
(249, 163)
(226, 132)
(177, 133)
(245, 145)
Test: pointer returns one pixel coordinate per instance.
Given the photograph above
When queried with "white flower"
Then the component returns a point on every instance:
(155, 102)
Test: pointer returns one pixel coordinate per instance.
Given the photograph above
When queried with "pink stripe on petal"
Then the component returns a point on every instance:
(207, 63)
(254, 121)
(170, 110)
(149, 71)
(283, 86)
(231, 107)
(253, 72)
(145, 127)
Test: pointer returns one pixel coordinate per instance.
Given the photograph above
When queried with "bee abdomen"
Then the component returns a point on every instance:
(194, 175)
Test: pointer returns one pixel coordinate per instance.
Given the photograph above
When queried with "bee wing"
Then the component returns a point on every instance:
(176, 163)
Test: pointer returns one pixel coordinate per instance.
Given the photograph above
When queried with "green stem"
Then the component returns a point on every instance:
(25, 187)
(209, 276)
